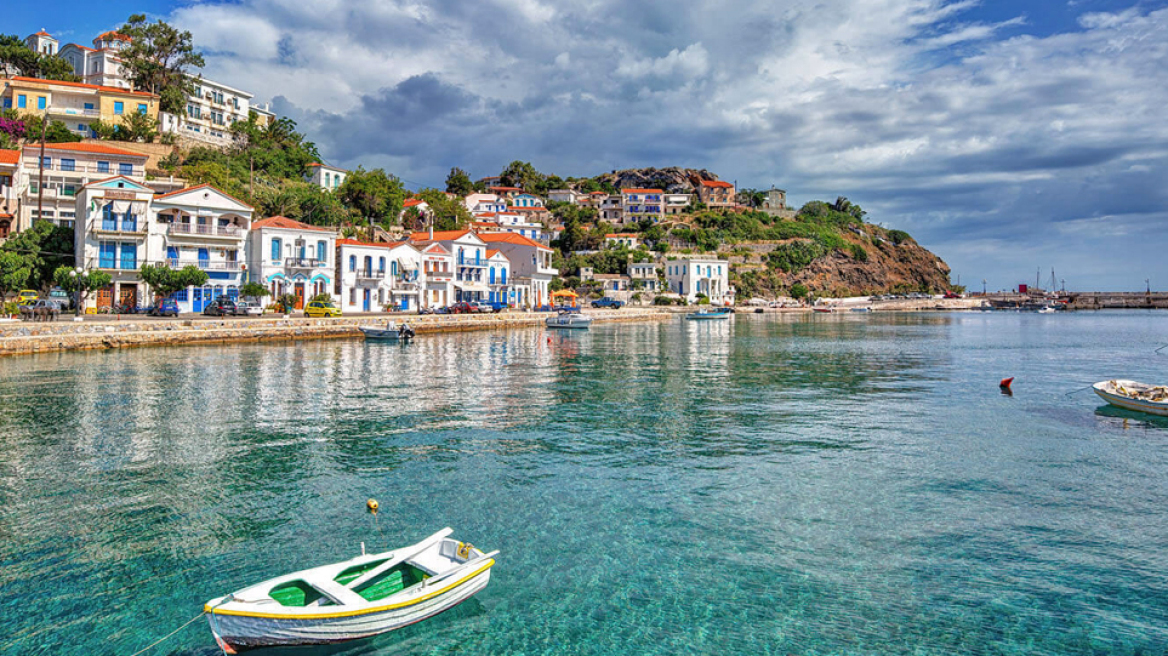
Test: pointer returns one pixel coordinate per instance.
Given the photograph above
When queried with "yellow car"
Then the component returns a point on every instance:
(27, 297)
(321, 309)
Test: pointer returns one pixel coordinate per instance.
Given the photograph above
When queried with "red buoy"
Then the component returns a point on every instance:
(1005, 384)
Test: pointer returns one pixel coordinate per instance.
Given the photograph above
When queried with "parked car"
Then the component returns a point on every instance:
(462, 307)
(27, 297)
(62, 297)
(163, 308)
(128, 308)
(248, 308)
(952, 294)
(608, 303)
(42, 309)
(321, 309)
(481, 307)
(497, 306)
(220, 307)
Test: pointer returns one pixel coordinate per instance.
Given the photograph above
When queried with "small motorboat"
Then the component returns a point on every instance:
(356, 598)
(1047, 309)
(861, 309)
(1131, 395)
(709, 314)
(569, 320)
(826, 309)
(390, 333)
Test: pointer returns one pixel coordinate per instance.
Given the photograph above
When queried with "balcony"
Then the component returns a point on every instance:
(205, 265)
(113, 264)
(370, 274)
(135, 228)
(199, 230)
(57, 110)
(303, 262)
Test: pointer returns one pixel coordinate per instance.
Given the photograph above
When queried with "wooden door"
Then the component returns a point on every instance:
(105, 297)
(299, 291)
(128, 295)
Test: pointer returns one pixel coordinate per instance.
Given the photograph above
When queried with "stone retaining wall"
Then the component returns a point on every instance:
(25, 337)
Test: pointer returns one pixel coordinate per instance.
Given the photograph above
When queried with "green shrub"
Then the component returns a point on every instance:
(858, 253)
(899, 237)
(799, 291)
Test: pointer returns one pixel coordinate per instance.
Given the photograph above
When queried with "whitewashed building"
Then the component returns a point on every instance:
(111, 235)
(531, 264)
(101, 64)
(329, 178)
(378, 276)
(67, 168)
(469, 261)
(565, 196)
(484, 203)
(290, 257)
(644, 276)
(437, 276)
(700, 275)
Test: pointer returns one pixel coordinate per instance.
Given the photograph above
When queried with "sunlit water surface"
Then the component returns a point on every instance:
(768, 485)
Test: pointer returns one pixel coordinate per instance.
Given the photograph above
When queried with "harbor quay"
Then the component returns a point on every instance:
(26, 338)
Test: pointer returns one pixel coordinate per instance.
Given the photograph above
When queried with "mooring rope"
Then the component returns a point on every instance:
(1081, 389)
(1161, 348)
(169, 635)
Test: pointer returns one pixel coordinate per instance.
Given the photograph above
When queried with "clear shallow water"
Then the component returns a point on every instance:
(773, 485)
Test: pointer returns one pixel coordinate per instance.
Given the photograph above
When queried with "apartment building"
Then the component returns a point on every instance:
(75, 104)
(9, 197)
(640, 204)
(101, 64)
(531, 264)
(708, 276)
(329, 178)
(212, 108)
(68, 167)
(677, 203)
(716, 193)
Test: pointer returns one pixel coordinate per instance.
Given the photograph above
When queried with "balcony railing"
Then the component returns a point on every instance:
(303, 262)
(205, 265)
(124, 227)
(58, 110)
(203, 230)
(370, 274)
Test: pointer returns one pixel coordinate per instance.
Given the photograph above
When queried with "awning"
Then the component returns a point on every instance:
(471, 287)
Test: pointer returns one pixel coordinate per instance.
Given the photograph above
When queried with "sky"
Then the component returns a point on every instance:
(1007, 137)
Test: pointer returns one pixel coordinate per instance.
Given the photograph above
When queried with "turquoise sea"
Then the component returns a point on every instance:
(830, 484)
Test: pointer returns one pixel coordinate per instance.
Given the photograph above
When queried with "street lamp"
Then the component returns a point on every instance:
(983, 287)
(1148, 283)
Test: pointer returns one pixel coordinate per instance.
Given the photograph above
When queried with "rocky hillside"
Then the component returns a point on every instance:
(884, 266)
(673, 179)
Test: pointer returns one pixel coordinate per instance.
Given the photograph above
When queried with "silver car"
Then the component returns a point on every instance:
(248, 308)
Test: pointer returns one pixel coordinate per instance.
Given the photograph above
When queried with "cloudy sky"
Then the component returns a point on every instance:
(1004, 135)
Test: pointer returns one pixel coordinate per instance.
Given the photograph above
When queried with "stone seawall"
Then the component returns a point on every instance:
(23, 337)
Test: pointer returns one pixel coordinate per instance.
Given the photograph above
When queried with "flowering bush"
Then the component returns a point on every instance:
(14, 128)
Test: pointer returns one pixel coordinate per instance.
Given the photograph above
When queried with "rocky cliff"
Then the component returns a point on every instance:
(673, 179)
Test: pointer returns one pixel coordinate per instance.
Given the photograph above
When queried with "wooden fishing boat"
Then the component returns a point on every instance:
(356, 598)
(569, 320)
(1131, 395)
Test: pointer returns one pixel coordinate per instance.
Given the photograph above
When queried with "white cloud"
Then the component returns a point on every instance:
(689, 63)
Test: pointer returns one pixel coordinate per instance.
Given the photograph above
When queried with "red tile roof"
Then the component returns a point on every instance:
(316, 164)
(43, 33)
(95, 148)
(411, 202)
(82, 85)
(286, 223)
(504, 188)
(642, 191)
(617, 235)
(202, 186)
(483, 215)
(717, 183)
(510, 238)
(492, 253)
(441, 235)
(10, 156)
(113, 35)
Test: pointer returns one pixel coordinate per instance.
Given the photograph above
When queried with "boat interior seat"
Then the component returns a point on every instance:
(335, 591)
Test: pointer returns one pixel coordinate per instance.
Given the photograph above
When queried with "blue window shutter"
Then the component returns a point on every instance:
(352, 263)
(321, 251)
(275, 250)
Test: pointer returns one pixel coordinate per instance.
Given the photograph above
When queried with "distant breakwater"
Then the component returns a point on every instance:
(22, 338)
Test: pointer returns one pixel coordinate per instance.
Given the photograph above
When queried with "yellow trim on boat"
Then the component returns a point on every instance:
(351, 613)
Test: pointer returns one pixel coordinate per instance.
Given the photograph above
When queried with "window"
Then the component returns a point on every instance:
(322, 252)
(352, 263)
(103, 167)
(89, 107)
(125, 169)
(381, 265)
(22, 101)
(108, 253)
(141, 108)
(68, 165)
(129, 256)
(353, 296)
(326, 179)
(42, 102)
(109, 220)
(204, 258)
(172, 255)
(69, 190)
(48, 162)
(276, 246)
(392, 266)
(119, 107)
(180, 296)
(368, 263)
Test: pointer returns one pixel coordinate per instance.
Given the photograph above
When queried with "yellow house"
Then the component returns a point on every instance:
(75, 104)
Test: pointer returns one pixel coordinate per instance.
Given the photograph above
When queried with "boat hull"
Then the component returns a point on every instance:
(240, 632)
(381, 335)
(578, 324)
(707, 317)
(1128, 403)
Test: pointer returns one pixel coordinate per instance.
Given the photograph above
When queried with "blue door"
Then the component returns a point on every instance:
(366, 299)
(197, 300)
(405, 302)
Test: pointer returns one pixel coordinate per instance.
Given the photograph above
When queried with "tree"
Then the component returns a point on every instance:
(165, 281)
(15, 54)
(446, 213)
(458, 183)
(15, 270)
(56, 132)
(799, 291)
(158, 60)
(68, 279)
(45, 246)
(752, 197)
(522, 175)
(375, 195)
(253, 290)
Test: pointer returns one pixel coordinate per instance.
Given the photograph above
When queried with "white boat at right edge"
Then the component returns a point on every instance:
(1130, 395)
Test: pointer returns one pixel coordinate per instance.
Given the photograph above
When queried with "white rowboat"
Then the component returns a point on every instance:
(356, 598)
(573, 320)
(1131, 395)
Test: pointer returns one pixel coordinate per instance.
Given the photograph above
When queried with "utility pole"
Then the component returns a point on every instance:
(983, 286)
(41, 167)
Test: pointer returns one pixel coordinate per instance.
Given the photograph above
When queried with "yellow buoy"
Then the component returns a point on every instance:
(372, 505)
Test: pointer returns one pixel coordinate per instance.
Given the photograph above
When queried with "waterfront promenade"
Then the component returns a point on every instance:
(20, 338)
